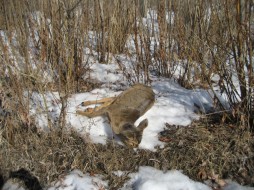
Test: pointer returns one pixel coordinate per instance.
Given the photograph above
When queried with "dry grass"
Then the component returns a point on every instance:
(220, 45)
(206, 37)
(203, 150)
(200, 150)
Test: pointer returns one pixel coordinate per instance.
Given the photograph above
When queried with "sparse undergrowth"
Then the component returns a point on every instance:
(47, 46)
(201, 151)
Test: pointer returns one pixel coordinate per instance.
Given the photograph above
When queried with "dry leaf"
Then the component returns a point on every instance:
(164, 139)
(202, 174)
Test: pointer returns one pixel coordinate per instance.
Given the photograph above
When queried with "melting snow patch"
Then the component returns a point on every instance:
(149, 178)
(76, 180)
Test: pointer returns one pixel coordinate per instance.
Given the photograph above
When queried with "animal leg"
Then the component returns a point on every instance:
(97, 111)
(103, 100)
(91, 112)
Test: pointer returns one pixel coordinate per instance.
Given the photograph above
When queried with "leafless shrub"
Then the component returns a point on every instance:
(42, 50)
(210, 38)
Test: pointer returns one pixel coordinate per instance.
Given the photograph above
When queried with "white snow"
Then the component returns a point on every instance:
(76, 180)
(174, 105)
(149, 178)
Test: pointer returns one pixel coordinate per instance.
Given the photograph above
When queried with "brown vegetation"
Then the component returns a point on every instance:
(206, 38)
(201, 150)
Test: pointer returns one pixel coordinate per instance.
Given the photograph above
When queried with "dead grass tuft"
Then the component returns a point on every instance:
(205, 150)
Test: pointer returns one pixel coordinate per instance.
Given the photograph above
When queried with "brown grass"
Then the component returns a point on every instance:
(206, 38)
(200, 150)
(221, 45)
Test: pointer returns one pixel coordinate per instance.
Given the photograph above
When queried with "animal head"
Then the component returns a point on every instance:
(131, 135)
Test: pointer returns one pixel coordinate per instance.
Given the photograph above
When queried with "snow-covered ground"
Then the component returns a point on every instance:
(147, 178)
(174, 105)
